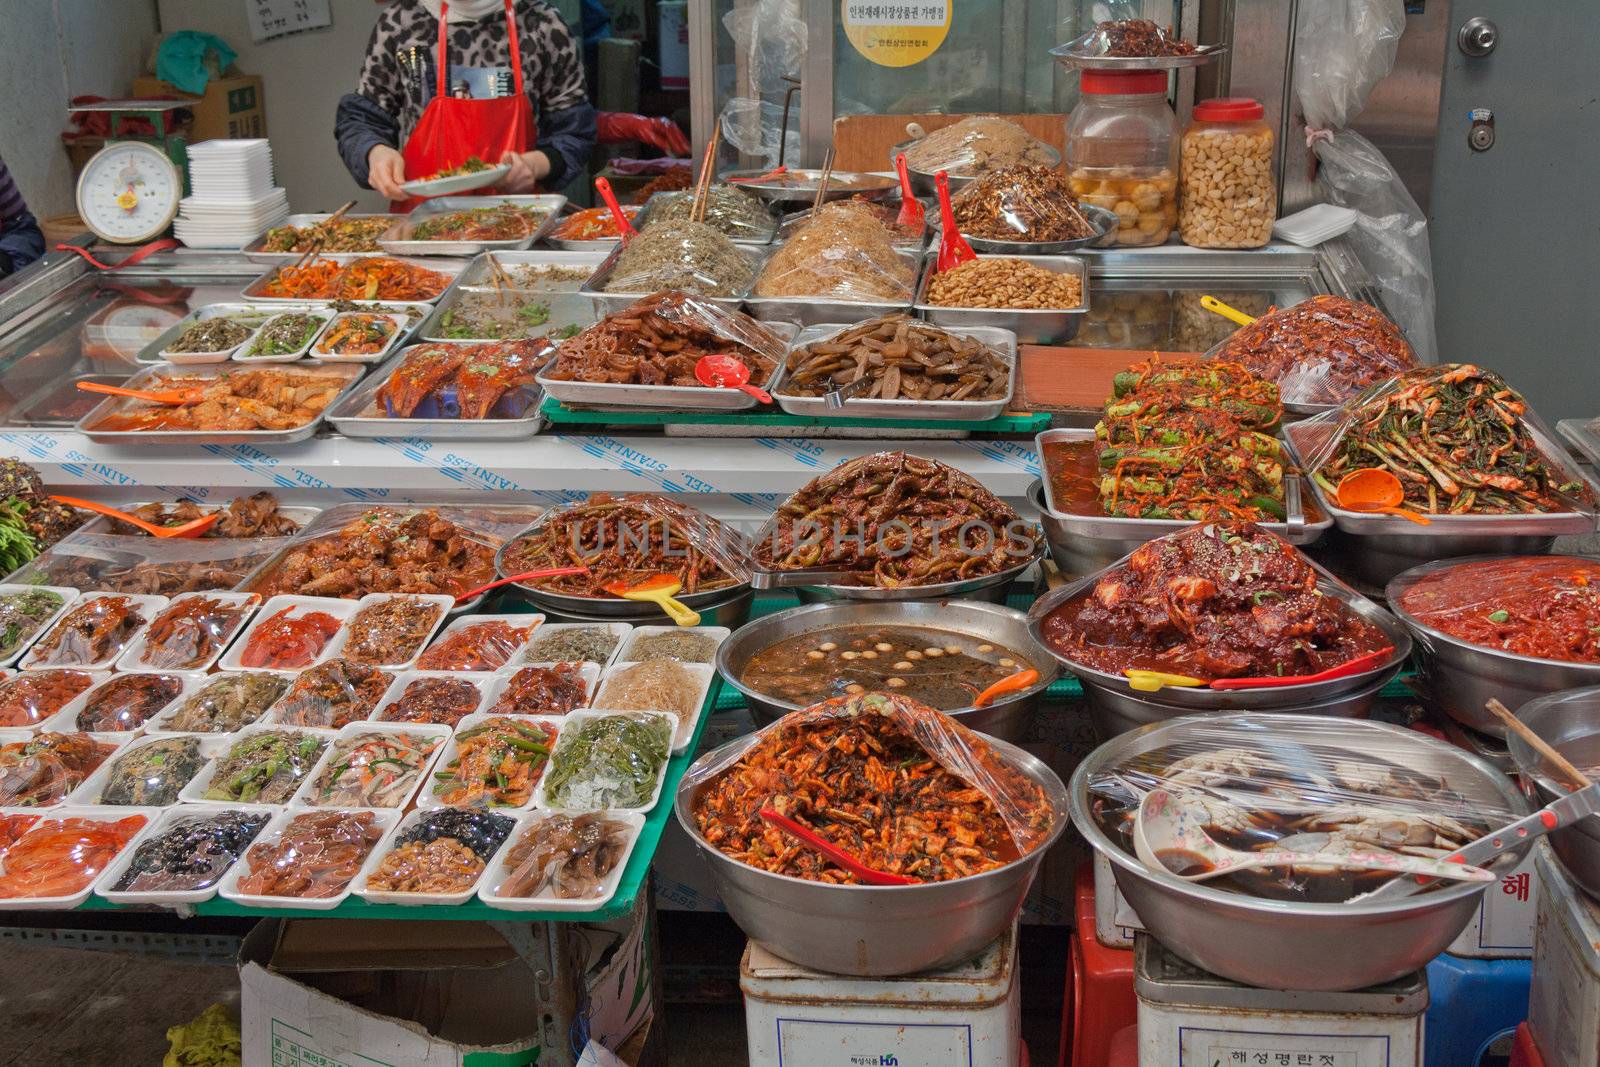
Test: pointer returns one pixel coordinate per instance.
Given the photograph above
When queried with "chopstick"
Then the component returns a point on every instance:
(501, 280)
(822, 185)
(697, 210)
(1575, 778)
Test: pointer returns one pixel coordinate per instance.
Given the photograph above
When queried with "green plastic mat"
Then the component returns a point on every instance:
(559, 414)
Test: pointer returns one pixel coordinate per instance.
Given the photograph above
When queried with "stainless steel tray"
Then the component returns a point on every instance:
(663, 397)
(256, 254)
(65, 389)
(145, 378)
(841, 183)
(756, 237)
(924, 182)
(1104, 220)
(450, 267)
(602, 245)
(1031, 326)
(566, 309)
(1584, 435)
(152, 352)
(969, 410)
(817, 310)
(398, 240)
(477, 273)
(1072, 56)
(351, 416)
(605, 303)
(795, 219)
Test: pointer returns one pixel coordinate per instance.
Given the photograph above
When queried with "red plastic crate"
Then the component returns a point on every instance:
(1524, 1052)
(1099, 999)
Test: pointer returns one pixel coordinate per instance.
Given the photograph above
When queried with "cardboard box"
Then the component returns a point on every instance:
(234, 106)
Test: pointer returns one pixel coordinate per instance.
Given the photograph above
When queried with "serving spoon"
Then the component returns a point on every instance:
(1232, 314)
(1009, 684)
(911, 214)
(1376, 491)
(721, 371)
(833, 853)
(953, 248)
(192, 395)
(192, 528)
(659, 591)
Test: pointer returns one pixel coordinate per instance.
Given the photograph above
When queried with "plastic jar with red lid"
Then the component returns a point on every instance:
(1229, 196)
(1122, 153)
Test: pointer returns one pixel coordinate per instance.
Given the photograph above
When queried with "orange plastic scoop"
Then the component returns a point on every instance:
(624, 227)
(659, 591)
(1377, 491)
(1009, 684)
(193, 528)
(724, 372)
(165, 396)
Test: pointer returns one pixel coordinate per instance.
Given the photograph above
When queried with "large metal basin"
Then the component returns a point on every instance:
(1277, 944)
(1371, 561)
(1007, 718)
(1116, 712)
(870, 930)
(1570, 722)
(1461, 678)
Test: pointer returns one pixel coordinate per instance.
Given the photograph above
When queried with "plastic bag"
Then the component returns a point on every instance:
(729, 210)
(627, 539)
(150, 773)
(848, 258)
(658, 131)
(1460, 440)
(191, 852)
(1320, 351)
(1330, 785)
(125, 701)
(688, 256)
(316, 854)
(95, 631)
(478, 646)
(1215, 601)
(31, 697)
(770, 43)
(1342, 49)
(190, 631)
(1019, 203)
(885, 215)
(891, 519)
(332, 694)
(976, 144)
(1128, 37)
(264, 766)
(227, 702)
(438, 701)
(875, 808)
(1547, 607)
(904, 359)
(42, 770)
(164, 566)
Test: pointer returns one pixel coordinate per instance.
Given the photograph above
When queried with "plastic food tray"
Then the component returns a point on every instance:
(161, 725)
(148, 606)
(228, 889)
(194, 792)
(570, 724)
(242, 353)
(251, 315)
(301, 606)
(27, 730)
(88, 794)
(961, 410)
(520, 659)
(305, 797)
(428, 799)
(814, 310)
(403, 682)
(378, 896)
(398, 334)
(566, 309)
(1030, 326)
(100, 815)
(356, 414)
(132, 659)
(170, 819)
(607, 302)
(12, 735)
(68, 598)
(65, 721)
(399, 241)
(443, 601)
(256, 253)
(495, 876)
(275, 714)
(704, 672)
(146, 378)
(627, 651)
(499, 683)
(450, 267)
(533, 622)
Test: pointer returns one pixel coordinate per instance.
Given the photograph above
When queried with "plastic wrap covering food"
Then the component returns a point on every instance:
(593, 644)
(372, 278)
(316, 854)
(31, 697)
(680, 255)
(1547, 607)
(264, 767)
(1322, 350)
(653, 685)
(13, 827)
(486, 381)
(1033, 204)
(903, 358)
(682, 645)
(126, 701)
(565, 856)
(23, 613)
(333, 694)
(628, 539)
(282, 397)
(894, 519)
(436, 701)
(390, 631)
(163, 566)
(608, 761)
(1190, 439)
(61, 857)
(227, 702)
(374, 769)
(355, 335)
(546, 690)
(192, 852)
(854, 211)
(481, 646)
(1335, 788)
(192, 631)
(658, 341)
(976, 144)
(1461, 441)
(150, 774)
(42, 770)
(1216, 600)
(97, 630)
(1131, 37)
(289, 638)
(903, 788)
(728, 209)
(444, 549)
(839, 257)
(442, 852)
(497, 764)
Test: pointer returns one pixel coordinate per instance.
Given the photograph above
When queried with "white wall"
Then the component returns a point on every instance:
(51, 51)
(303, 77)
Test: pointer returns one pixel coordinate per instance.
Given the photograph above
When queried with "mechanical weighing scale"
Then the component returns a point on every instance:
(129, 191)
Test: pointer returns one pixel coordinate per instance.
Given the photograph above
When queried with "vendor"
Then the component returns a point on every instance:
(405, 123)
(20, 240)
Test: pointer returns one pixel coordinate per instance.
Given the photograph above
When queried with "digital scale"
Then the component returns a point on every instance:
(129, 191)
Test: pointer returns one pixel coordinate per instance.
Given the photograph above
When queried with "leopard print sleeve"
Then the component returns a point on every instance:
(559, 63)
(381, 80)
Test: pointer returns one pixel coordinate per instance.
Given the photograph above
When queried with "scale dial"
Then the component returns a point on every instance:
(129, 192)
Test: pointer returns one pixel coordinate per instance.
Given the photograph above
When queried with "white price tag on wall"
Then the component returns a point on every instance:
(279, 18)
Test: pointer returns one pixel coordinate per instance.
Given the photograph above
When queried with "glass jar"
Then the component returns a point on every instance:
(1122, 153)
(1229, 196)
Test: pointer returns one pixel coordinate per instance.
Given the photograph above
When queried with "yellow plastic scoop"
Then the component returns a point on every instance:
(1150, 681)
(1232, 314)
(659, 591)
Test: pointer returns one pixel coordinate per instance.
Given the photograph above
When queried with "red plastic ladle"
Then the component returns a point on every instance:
(1349, 667)
(1375, 490)
(821, 845)
(725, 372)
(911, 213)
(624, 228)
(953, 248)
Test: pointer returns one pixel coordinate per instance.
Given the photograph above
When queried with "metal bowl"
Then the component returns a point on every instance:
(1008, 717)
(1461, 678)
(1103, 219)
(989, 587)
(1570, 722)
(1120, 700)
(841, 183)
(732, 613)
(1277, 944)
(1114, 712)
(872, 931)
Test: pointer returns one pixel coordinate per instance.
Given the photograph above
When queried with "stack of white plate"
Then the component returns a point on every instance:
(232, 196)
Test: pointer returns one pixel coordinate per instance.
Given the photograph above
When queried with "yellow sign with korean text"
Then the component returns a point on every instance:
(899, 34)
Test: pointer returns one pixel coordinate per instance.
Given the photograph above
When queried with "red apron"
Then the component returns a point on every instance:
(450, 129)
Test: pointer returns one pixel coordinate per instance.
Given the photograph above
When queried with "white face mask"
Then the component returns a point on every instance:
(465, 10)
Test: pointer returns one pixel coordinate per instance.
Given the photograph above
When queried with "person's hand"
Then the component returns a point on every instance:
(527, 169)
(386, 169)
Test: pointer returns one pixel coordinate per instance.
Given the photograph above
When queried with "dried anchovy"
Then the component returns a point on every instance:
(680, 255)
(904, 359)
(686, 646)
(1021, 203)
(728, 209)
(285, 334)
(210, 335)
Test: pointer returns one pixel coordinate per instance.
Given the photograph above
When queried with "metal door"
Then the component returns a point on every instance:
(1515, 237)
